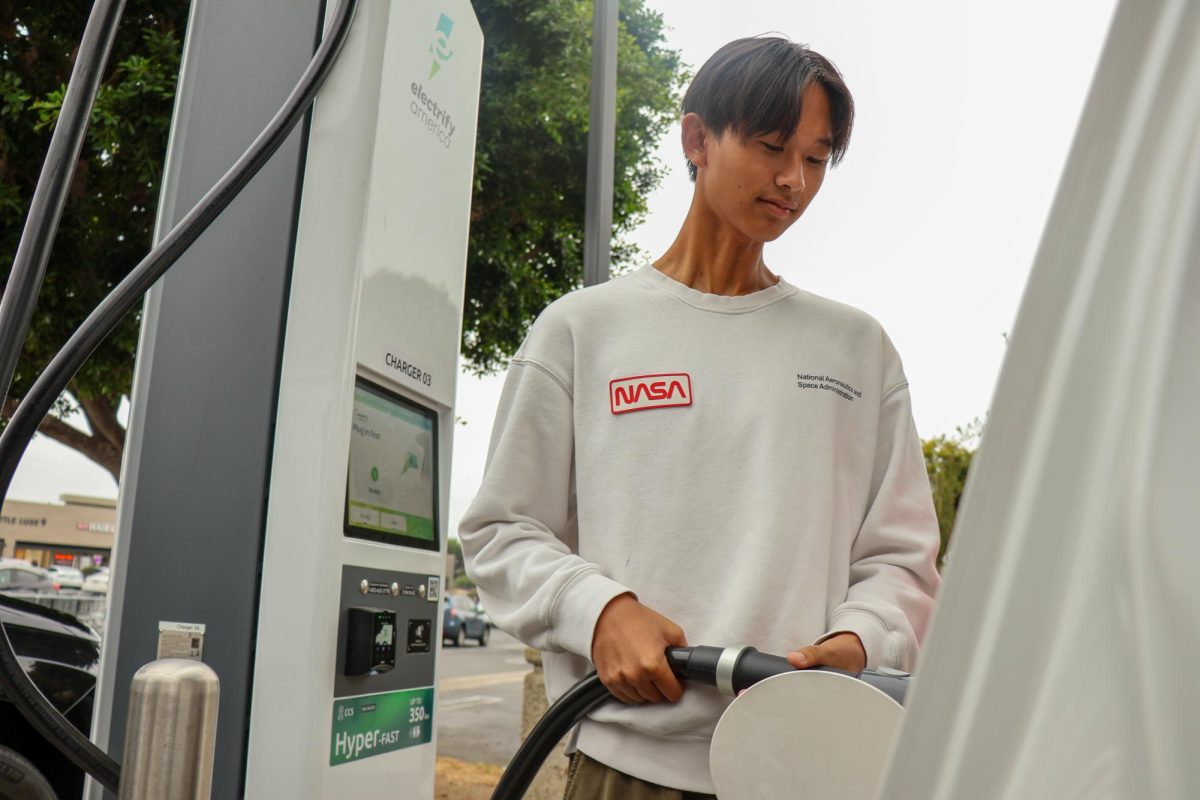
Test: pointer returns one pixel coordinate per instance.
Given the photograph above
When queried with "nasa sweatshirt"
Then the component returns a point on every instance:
(746, 466)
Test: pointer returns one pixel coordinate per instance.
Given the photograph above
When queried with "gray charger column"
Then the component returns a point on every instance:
(198, 451)
(602, 126)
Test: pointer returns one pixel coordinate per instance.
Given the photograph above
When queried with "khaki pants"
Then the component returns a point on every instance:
(590, 780)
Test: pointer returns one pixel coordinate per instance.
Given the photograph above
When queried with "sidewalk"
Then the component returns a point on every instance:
(463, 780)
(466, 780)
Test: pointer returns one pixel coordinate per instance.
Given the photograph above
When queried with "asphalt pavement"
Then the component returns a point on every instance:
(480, 692)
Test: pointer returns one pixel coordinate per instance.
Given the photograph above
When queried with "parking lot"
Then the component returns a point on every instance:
(479, 716)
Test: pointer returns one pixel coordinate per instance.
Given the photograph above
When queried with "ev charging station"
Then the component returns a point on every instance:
(285, 485)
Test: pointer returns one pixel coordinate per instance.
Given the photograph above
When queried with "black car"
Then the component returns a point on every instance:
(464, 619)
(61, 655)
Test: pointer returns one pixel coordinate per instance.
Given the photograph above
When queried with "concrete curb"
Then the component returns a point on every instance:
(551, 780)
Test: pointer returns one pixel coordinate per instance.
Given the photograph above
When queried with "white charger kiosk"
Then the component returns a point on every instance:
(286, 480)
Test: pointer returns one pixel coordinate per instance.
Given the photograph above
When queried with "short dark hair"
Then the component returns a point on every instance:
(754, 86)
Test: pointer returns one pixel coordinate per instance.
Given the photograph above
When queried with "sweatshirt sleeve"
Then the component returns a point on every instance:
(893, 572)
(519, 534)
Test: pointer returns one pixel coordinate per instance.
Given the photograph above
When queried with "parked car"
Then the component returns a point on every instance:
(61, 655)
(97, 582)
(66, 577)
(25, 579)
(464, 619)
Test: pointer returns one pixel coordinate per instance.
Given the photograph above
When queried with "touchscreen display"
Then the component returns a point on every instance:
(391, 490)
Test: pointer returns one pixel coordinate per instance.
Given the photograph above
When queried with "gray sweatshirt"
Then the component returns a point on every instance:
(746, 466)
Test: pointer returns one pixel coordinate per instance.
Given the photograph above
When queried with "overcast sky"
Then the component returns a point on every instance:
(965, 113)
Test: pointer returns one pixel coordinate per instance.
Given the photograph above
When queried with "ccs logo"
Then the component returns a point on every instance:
(643, 392)
(441, 45)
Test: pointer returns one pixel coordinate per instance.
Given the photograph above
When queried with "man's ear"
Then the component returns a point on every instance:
(696, 138)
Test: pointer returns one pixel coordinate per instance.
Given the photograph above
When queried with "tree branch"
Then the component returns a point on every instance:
(103, 418)
(97, 448)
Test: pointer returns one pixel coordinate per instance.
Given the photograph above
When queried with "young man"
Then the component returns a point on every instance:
(701, 452)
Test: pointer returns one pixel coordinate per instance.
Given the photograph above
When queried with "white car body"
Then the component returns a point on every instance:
(66, 577)
(97, 582)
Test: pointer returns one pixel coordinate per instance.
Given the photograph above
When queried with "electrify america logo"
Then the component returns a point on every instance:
(429, 113)
(643, 392)
(441, 45)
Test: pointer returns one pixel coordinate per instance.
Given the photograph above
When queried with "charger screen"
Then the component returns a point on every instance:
(391, 489)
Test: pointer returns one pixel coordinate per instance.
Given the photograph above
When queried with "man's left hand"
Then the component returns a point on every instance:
(842, 651)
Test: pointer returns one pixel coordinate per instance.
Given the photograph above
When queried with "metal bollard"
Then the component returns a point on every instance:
(172, 731)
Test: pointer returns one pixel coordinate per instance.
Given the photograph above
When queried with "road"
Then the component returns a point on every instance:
(479, 713)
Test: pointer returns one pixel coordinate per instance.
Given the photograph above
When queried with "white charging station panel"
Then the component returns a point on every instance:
(344, 698)
(1059, 659)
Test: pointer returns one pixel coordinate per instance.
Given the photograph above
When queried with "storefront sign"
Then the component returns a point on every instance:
(28, 522)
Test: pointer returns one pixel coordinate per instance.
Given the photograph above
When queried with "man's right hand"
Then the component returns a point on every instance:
(629, 649)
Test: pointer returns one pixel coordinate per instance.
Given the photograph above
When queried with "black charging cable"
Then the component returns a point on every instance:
(50, 194)
(16, 685)
(730, 669)
(571, 708)
(33, 253)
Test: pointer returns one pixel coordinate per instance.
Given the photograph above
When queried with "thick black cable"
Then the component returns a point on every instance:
(579, 701)
(50, 194)
(49, 197)
(50, 384)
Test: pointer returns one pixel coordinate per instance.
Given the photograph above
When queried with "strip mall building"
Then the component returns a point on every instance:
(76, 533)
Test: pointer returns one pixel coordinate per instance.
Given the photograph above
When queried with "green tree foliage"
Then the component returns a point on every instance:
(527, 212)
(454, 548)
(459, 579)
(947, 460)
(109, 216)
(527, 215)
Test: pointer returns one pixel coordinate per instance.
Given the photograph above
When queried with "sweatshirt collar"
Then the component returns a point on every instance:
(720, 303)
